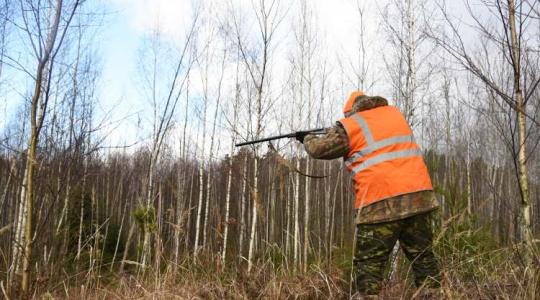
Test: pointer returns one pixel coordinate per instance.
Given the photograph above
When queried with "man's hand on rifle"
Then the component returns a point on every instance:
(300, 135)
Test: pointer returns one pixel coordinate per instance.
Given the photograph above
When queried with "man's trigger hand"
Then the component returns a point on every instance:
(300, 136)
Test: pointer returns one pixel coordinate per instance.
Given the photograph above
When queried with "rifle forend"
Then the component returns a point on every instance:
(296, 134)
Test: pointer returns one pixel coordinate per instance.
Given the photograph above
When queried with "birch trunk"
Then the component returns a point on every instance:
(81, 222)
(227, 202)
(326, 210)
(243, 208)
(255, 190)
(296, 251)
(253, 235)
(181, 187)
(66, 199)
(201, 183)
(468, 178)
(306, 216)
(229, 176)
(266, 16)
(179, 210)
(290, 211)
(525, 227)
(126, 247)
(411, 61)
(157, 242)
(29, 208)
(19, 232)
(207, 198)
(208, 181)
(190, 208)
(149, 204)
(199, 208)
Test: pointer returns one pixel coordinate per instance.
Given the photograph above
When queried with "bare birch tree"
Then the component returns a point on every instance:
(46, 39)
(235, 108)
(509, 35)
(407, 57)
(164, 102)
(256, 60)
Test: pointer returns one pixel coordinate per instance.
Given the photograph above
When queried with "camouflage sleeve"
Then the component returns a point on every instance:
(333, 144)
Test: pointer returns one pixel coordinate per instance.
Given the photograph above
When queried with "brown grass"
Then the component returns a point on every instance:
(263, 283)
(467, 273)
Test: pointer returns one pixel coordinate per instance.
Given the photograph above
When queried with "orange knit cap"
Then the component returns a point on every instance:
(349, 104)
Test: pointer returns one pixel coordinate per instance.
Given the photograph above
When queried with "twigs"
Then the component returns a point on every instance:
(282, 161)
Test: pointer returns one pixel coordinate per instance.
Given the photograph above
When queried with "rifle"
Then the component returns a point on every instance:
(297, 135)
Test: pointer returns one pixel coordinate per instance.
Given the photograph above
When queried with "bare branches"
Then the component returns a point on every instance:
(496, 79)
(456, 47)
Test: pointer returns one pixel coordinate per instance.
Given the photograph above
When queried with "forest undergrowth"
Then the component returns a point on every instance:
(473, 266)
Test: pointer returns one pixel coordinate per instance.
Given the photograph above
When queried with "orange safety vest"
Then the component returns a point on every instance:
(384, 159)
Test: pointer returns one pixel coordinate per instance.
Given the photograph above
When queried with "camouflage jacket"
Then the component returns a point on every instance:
(335, 144)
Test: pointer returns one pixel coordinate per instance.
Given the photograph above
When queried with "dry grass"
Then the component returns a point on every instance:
(186, 283)
(203, 280)
(473, 267)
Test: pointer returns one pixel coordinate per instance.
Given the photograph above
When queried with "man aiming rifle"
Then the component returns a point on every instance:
(393, 192)
(394, 198)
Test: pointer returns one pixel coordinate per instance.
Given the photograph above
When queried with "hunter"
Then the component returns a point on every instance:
(394, 197)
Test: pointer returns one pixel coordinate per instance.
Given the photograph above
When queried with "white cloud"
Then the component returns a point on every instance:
(169, 16)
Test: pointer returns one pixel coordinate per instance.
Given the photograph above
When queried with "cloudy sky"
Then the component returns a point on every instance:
(131, 20)
(120, 39)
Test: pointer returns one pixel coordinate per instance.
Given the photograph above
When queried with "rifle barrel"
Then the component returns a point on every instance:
(277, 137)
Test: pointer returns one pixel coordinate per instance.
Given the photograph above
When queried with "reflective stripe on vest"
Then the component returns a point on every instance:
(384, 157)
(365, 128)
(373, 146)
(379, 145)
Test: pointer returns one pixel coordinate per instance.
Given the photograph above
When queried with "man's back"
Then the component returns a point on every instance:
(336, 143)
(383, 157)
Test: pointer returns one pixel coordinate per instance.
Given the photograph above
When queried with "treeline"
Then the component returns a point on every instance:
(98, 220)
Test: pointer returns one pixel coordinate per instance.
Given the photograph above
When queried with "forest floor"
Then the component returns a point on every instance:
(488, 275)
(314, 285)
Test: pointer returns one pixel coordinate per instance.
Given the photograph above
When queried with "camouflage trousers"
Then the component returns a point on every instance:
(374, 244)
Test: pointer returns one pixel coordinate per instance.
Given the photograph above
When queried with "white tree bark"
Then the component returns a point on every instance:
(296, 250)
(227, 204)
(243, 221)
(306, 216)
(229, 175)
(201, 182)
(468, 175)
(525, 214)
(19, 233)
(252, 236)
